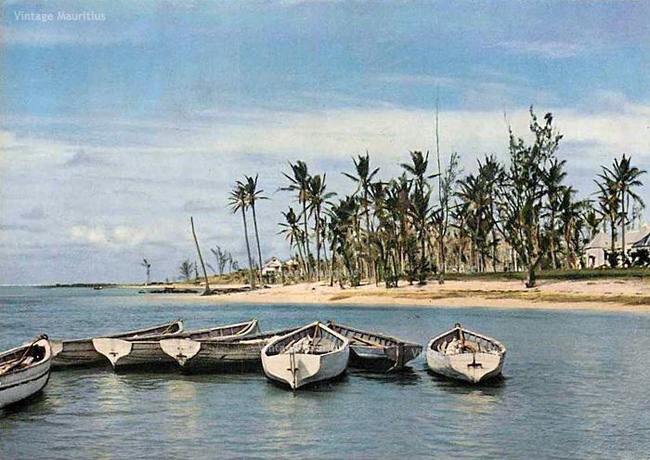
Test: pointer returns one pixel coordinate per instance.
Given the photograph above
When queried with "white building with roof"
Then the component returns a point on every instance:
(596, 250)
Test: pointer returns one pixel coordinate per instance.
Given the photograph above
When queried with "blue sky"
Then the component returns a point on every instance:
(115, 131)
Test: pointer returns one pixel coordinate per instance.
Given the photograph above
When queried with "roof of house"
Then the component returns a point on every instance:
(632, 237)
(643, 242)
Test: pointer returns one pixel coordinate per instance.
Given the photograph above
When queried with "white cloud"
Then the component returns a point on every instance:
(553, 50)
(117, 236)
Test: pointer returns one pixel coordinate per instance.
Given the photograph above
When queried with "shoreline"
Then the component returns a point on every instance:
(613, 295)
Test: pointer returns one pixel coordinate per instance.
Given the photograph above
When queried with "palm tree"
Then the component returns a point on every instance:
(608, 202)
(239, 202)
(626, 178)
(293, 232)
(419, 204)
(570, 215)
(343, 228)
(317, 198)
(252, 195)
(363, 179)
(186, 268)
(554, 190)
(299, 182)
(147, 266)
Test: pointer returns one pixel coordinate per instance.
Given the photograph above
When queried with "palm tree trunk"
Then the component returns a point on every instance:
(248, 249)
(553, 258)
(370, 262)
(206, 291)
(307, 251)
(332, 268)
(318, 244)
(301, 256)
(257, 239)
(612, 221)
(623, 216)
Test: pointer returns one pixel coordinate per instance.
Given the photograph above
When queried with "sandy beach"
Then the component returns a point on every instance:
(629, 295)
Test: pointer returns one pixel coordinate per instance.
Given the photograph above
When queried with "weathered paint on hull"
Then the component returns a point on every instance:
(76, 354)
(146, 355)
(468, 367)
(310, 369)
(21, 384)
(226, 356)
(383, 360)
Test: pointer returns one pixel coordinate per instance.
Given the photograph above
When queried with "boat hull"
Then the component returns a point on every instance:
(310, 369)
(165, 353)
(375, 351)
(216, 356)
(76, 354)
(82, 352)
(468, 367)
(22, 384)
(392, 358)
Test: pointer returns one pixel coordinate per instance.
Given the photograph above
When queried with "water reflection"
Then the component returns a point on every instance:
(405, 377)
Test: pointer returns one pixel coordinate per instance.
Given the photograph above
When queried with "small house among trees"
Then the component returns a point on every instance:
(598, 249)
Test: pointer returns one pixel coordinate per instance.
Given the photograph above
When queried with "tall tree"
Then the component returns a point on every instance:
(222, 258)
(608, 204)
(553, 177)
(147, 267)
(291, 229)
(524, 194)
(186, 268)
(363, 179)
(238, 202)
(206, 291)
(299, 183)
(626, 177)
(253, 195)
(318, 197)
(420, 209)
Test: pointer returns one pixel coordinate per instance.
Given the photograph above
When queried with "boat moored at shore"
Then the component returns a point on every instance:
(81, 352)
(24, 371)
(372, 350)
(465, 355)
(307, 355)
(165, 352)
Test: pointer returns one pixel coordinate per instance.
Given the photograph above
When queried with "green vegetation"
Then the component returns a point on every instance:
(516, 219)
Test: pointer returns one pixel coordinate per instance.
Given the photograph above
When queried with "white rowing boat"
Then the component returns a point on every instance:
(307, 355)
(81, 352)
(465, 355)
(24, 371)
(162, 351)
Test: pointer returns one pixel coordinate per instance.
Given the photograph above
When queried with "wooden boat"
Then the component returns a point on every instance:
(371, 350)
(82, 352)
(163, 351)
(241, 353)
(307, 355)
(465, 355)
(24, 371)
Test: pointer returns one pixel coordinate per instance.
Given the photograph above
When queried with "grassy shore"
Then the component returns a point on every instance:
(630, 294)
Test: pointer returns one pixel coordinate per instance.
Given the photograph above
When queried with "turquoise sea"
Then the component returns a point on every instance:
(576, 385)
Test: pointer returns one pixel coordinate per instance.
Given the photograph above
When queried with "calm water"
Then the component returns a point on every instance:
(576, 385)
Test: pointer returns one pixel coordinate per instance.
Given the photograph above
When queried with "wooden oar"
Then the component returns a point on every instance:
(21, 359)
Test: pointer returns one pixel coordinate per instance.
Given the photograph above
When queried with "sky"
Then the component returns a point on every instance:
(118, 126)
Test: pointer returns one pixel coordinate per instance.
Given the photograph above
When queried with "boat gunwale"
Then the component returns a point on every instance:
(500, 346)
(346, 341)
(126, 335)
(182, 336)
(43, 362)
(396, 340)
